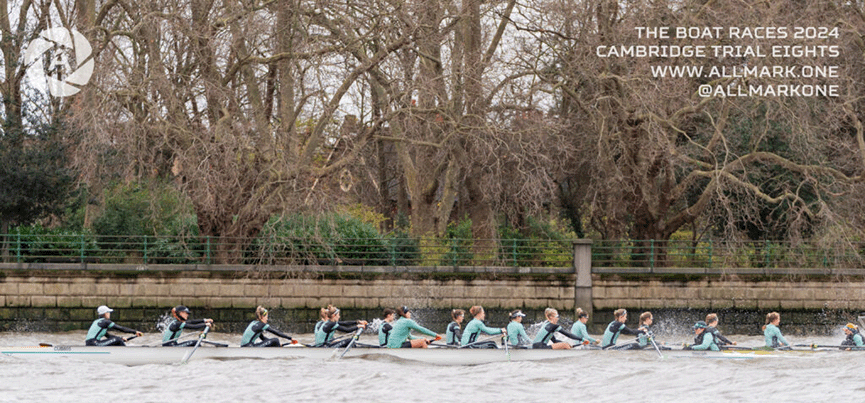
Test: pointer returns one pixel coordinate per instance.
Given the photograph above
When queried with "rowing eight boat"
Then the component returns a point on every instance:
(437, 356)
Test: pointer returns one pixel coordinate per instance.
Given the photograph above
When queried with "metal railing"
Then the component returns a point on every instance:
(718, 254)
(407, 251)
(385, 251)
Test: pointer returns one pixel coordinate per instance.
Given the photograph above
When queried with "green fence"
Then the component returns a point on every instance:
(404, 251)
(384, 251)
(717, 254)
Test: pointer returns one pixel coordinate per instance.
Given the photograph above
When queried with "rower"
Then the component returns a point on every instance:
(181, 321)
(322, 319)
(854, 338)
(256, 329)
(401, 336)
(324, 335)
(476, 326)
(516, 331)
(712, 322)
(617, 327)
(454, 333)
(772, 333)
(386, 327)
(548, 331)
(703, 339)
(579, 328)
(98, 333)
(646, 320)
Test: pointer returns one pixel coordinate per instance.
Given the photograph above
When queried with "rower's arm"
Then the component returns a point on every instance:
(422, 329)
(278, 333)
(490, 330)
(196, 324)
(627, 330)
(722, 340)
(123, 329)
(570, 335)
(347, 329)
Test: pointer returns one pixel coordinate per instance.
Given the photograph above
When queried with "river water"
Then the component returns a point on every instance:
(605, 376)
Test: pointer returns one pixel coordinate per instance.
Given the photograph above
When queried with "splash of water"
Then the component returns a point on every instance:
(163, 321)
(375, 325)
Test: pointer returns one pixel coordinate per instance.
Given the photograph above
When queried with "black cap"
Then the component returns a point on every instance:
(181, 308)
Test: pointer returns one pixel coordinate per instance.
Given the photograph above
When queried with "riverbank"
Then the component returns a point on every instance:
(57, 297)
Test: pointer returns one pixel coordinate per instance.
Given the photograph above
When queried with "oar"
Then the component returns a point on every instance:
(214, 343)
(439, 345)
(507, 352)
(826, 346)
(613, 346)
(351, 343)
(200, 337)
(652, 339)
(729, 347)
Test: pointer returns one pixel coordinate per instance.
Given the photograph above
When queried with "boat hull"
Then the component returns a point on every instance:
(436, 356)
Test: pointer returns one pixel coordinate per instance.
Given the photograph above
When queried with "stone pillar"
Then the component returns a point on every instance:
(583, 271)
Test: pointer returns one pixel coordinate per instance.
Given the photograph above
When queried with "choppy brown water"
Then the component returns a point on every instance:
(615, 376)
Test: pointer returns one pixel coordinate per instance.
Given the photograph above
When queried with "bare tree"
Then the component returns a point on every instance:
(214, 91)
(658, 156)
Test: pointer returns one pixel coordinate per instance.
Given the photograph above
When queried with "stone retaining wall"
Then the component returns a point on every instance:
(57, 297)
(752, 292)
(24, 294)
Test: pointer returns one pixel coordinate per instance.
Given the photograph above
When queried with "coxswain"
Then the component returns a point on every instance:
(454, 333)
(703, 339)
(854, 338)
(516, 331)
(712, 323)
(401, 337)
(181, 321)
(98, 333)
(548, 331)
(386, 327)
(324, 336)
(579, 328)
(475, 327)
(772, 333)
(617, 327)
(256, 330)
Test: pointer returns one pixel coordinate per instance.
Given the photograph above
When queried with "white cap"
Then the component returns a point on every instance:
(102, 310)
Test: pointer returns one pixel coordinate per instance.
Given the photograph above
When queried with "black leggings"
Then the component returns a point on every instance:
(274, 342)
(486, 344)
(111, 341)
(188, 343)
